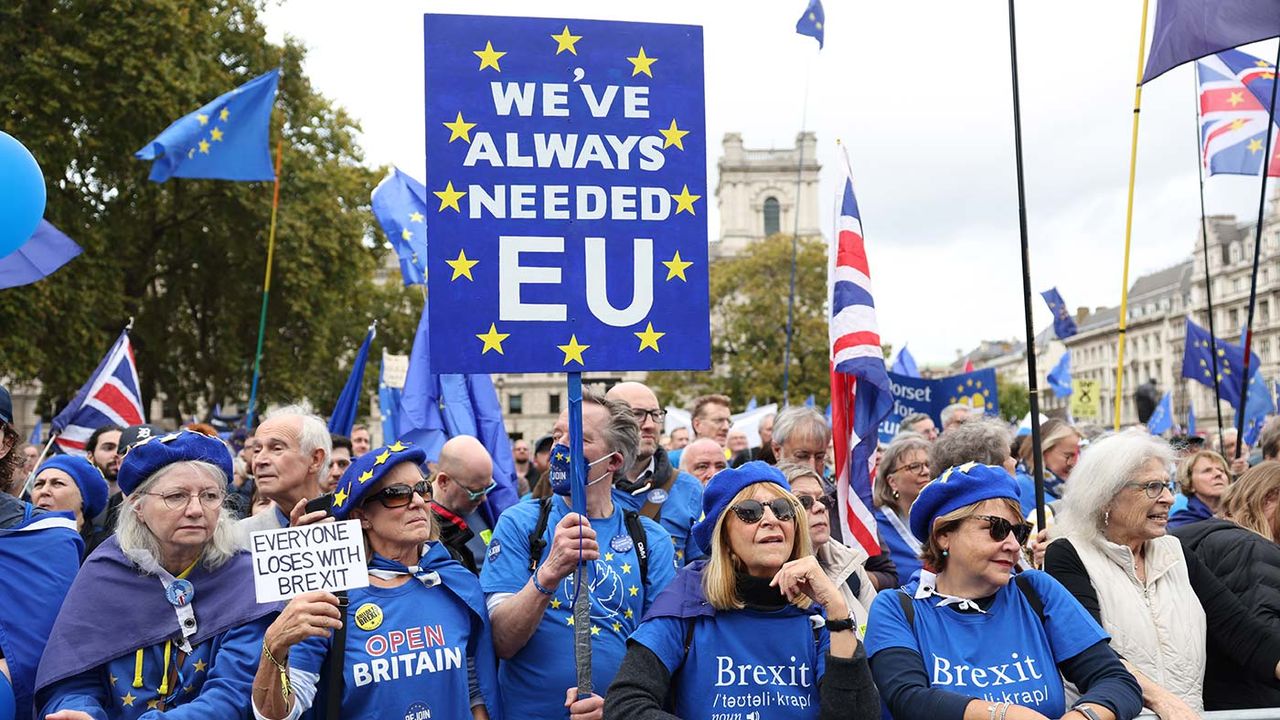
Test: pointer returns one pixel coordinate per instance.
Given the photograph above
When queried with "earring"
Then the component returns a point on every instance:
(946, 553)
(895, 495)
(1106, 518)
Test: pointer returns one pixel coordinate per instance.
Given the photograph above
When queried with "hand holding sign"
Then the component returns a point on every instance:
(312, 614)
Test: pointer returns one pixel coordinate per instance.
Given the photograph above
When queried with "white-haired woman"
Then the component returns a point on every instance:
(749, 612)
(159, 618)
(1159, 604)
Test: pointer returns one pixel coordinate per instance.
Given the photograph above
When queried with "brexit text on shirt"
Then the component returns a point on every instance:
(567, 159)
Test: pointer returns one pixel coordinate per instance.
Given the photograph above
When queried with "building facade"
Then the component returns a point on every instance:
(760, 191)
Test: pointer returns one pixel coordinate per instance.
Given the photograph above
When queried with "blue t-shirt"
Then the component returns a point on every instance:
(1003, 655)
(534, 681)
(406, 653)
(904, 558)
(740, 661)
(681, 508)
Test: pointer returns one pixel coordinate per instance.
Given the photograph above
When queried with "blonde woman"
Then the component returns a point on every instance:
(1239, 547)
(1203, 477)
(749, 621)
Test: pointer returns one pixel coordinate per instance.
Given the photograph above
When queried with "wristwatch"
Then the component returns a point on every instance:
(847, 624)
(1087, 711)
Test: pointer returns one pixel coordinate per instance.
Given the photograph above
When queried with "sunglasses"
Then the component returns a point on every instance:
(752, 511)
(474, 495)
(399, 495)
(808, 501)
(1000, 528)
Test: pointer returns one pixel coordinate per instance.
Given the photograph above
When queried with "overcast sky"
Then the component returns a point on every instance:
(920, 92)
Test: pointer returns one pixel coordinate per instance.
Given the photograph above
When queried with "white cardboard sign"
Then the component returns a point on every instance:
(324, 556)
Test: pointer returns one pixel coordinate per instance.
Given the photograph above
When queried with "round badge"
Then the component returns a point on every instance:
(417, 711)
(621, 543)
(495, 547)
(179, 592)
(368, 616)
(657, 496)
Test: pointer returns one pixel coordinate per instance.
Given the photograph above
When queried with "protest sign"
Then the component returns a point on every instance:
(931, 396)
(293, 560)
(567, 195)
(1086, 400)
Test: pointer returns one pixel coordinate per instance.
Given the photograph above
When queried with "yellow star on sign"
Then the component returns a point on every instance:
(493, 339)
(449, 197)
(488, 56)
(641, 63)
(1236, 98)
(201, 665)
(415, 216)
(365, 477)
(461, 266)
(565, 41)
(676, 267)
(127, 699)
(397, 446)
(573, 351)
(684, 201)
(459, 129)
(1255, 145)
(340, 497)
(204, 120)
(216, 134)
(674, 136)
(204, 147)
(224, 115)
(649, 339)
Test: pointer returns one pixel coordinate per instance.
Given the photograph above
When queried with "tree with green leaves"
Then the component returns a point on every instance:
(749, 328)
(87, 84)
(1015, 399)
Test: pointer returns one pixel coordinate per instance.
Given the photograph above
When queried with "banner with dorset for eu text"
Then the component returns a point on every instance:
(931, 395)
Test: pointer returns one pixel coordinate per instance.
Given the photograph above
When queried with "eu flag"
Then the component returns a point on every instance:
(812, 22)
(344, 411)
(1187, 30)
(1060, 376)
(905, 364)
(399, 202)
(226, 139)
(46, 251)
(1197, 362)
(1161, 420)
(1064, 326)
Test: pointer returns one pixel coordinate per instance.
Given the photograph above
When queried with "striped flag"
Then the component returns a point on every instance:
(860, 394)
(109, 397)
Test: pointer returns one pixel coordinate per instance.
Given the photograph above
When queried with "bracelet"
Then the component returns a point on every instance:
(285, 689)
(1004, 710)
(538, 586)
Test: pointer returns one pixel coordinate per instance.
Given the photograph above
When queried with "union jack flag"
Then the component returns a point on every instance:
(860, 394)
(109, 397)
(1234, 90)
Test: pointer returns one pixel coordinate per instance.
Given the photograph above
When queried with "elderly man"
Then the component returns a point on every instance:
(464, 478)
(291, 450)
(528, 573)
(955, 415)
(651, 486)
(703, 458)
(921, 424)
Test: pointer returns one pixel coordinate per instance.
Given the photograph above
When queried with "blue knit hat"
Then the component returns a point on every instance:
(960, 486)
(87, 476)
(149, 456)
(366, 470)
(723, 488)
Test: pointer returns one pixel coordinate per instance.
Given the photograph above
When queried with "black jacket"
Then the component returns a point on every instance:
(454, 535)
(1249, 565)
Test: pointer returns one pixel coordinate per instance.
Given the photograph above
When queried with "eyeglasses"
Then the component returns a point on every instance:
(915, 468)
(1154, 488)
(808, 501)
(658, 415)
(1000, 528)
(482, 492)
(399, 495)
(177, 499)
(752, 511)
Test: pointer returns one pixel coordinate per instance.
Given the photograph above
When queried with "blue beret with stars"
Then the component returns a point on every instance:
(958, 487)
(366, 470)
(149, 456)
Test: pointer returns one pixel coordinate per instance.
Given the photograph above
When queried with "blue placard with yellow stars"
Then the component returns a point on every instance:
(931, 396)
(567, 195)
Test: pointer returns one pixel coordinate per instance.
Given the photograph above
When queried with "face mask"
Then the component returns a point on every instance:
(558, 469)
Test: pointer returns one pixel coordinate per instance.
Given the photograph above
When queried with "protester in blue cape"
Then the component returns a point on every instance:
(967, 642)
(758, 624)
(417, 638)
(40, 553)
(68, 483)
(159, 622)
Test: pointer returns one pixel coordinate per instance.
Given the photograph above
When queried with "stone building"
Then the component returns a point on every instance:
(757, 192)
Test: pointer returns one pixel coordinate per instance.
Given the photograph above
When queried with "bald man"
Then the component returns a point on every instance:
(464, 476)
(651, 486)
(703, 458)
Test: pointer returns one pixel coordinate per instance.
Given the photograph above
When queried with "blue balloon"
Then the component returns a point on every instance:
(22, 194)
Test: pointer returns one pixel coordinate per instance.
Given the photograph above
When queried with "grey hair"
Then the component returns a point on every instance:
(949, 411)
(622, 434)
(314, 433)
(905, 425)
(981, 439)
(795, 471)
(800, 420)
(1102, 472)
(141, 545)
(901, 445)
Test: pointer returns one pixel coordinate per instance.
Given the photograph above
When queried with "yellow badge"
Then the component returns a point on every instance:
(368, 616)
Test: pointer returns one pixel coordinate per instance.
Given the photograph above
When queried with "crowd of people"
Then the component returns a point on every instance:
(716, 577)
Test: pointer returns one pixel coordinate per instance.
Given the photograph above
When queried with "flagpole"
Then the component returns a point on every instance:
(1128, 220)
(578, 499)
(795, 234)
(266, 292)
(1247, 341)
(1032, 380)
(1208, 284)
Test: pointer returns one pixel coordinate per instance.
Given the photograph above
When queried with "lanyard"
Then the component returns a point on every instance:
(180, 593)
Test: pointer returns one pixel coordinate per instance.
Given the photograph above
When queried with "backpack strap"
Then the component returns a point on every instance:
(1031, 594)
(908, 608)
(653, 510)
(640, 539)
(536, 542)
(334, 663)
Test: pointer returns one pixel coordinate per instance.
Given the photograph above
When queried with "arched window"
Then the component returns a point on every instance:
(772, 212)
